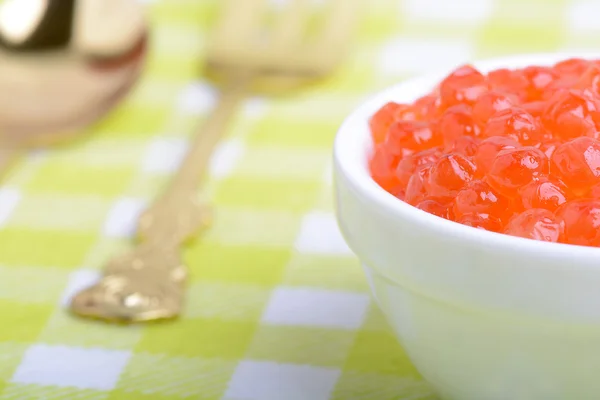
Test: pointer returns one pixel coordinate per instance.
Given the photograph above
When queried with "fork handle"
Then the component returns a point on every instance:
(177, 215)
(207, 136)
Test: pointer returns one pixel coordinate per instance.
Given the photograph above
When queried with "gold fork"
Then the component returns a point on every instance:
(242, 57)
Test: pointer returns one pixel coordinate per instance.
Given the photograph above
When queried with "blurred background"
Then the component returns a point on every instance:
(278, 307)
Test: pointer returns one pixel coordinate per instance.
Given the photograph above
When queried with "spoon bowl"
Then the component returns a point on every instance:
(50, 94)
(46, 97)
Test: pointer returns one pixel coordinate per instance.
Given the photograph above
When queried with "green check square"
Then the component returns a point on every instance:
(325, 200)
(327, 107)
(147, 186)
(372, 386)
(185, 13)
(37, 392)
(104, 250)
(283, 162)
(99, 151)
(277, 194)
(353, 77)
(11, 354)
(174, 377)
(251, 227)
(27, 284)
(379, 352)
(379, 22)
(65, 329)
(199, 338)
(178, 69)
(496, 40)
(132, 120)
(236, 264)
(331, 272)
(107, 181)
(520, 27)
(375, 320)
(78, 213)
(22, 322)
(274, 130)
(173, 41)
(301, 345)
(120, 394)
(227, 301)
(29, 247)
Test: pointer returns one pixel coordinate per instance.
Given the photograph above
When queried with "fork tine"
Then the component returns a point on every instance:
(341, 19)
(239, 19)
(291, 24)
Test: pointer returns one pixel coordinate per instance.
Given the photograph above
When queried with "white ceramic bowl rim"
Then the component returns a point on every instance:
(353, 145)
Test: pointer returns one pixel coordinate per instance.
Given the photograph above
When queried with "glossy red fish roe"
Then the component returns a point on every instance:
(463, 86)
(409, 164)
(594, 192)
(514, 168)
(427, 107)
(590, 80)
(547, 193)
(549, 147)
(381, 121)
(572, 113)
(514, 151)
(571, 67)
(455, 123)
(479, 197)
(434, 207)
(538, 79)
(383, 166)
(410, 136)
(490, 103)
(515, 123)
(535, 108)
(535, 223)
(489, 148)
(465, 145)
(481, 221)
(581, 222)
(450, 174)
(508, 81)
(577, 163)
(416, 190)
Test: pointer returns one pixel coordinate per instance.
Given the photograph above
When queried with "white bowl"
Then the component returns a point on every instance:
(483, 316)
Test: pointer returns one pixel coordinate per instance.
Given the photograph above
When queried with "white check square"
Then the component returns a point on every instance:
(70, 366)
(9, 198)
(452, 12)
(402, 56)
(164, 155)
(122, 218)
(319, 234)
(261, 380)
(197, 98)
(225, 158)
(79, 280)
(316, 307)
(582, 16)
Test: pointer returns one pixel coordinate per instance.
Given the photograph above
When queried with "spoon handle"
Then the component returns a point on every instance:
(148, 283)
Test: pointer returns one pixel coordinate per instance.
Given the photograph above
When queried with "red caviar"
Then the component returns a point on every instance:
(515, 151)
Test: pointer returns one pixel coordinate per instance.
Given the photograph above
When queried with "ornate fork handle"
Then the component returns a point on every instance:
(148, 283)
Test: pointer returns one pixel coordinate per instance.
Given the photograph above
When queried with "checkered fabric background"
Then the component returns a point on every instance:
(278, 308)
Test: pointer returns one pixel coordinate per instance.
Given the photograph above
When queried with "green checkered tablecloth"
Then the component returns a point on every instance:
(278, 307)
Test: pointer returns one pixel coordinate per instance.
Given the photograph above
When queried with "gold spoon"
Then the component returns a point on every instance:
(60, 70)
